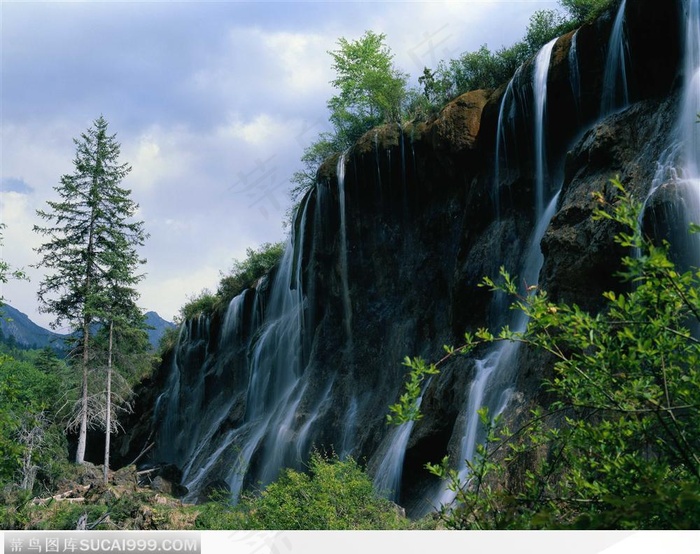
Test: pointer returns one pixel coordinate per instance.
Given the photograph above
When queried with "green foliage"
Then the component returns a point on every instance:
(586, 10)
(202, 304)
(168, 340)
(334, 494)
(243, 275)
(131, 350)
(86, 228)
(14, 508)
(31, 444)
(484, 69)
(617, 447)
(407, 407)
(370, 89)
(219, 514)
(303, 180)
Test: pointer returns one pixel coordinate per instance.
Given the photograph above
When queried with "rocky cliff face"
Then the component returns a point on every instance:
(384, 263)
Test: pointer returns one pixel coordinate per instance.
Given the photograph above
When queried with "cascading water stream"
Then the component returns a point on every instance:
(492, 384)
(347, 305)
(679, 166)
(194, 432)
(615, 93)
(575, 74)
(276, 368)
(506, 118)
(689, 129)
(541, 158)
(349, 429)
(387, 477)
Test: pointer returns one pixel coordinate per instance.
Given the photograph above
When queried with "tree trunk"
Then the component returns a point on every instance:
(82, 437)
(82, 433)
(108, 411)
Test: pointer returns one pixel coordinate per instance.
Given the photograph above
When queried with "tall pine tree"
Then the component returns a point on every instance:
(90, 252)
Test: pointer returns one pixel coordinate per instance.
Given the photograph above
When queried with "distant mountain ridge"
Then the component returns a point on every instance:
(159, 328)
(27, 334)
(17, 326)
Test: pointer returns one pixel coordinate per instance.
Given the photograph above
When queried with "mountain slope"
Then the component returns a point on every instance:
(17, 327)
(159, 327)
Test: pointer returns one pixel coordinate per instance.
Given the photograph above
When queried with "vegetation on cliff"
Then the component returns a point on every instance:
(617, 446)
(243, 274)
(371, 91)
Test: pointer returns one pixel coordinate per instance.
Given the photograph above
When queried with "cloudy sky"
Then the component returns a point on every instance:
(213, 104)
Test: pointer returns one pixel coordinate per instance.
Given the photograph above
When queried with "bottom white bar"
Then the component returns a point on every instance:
(350, 542)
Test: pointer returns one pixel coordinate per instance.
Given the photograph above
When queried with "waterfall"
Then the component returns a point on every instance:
(232, 319)
(387, 477)
(177, 415)
(349, 429)
(540, 91)
(678, 169)
(194, 432)
(575, 73)
(347, 306)
(276, 366)
(492, 383)
(688, 128)
(506, 122)
(302, 440)
(615, 94)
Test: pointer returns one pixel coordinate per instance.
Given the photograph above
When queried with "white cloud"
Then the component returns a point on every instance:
(159, 157)
(18, 214)
(258, 131)
(167, 293)
(302, 62)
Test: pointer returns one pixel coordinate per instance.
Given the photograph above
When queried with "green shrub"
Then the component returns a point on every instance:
(334, 494)
(245, 273)
(220, 515)
(586, 10)
(202, 304)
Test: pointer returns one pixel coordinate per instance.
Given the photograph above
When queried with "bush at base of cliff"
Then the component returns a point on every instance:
(333, 495)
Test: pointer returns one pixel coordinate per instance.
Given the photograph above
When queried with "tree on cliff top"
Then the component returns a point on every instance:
(585, 10)
(371, 89)
(89, 253)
